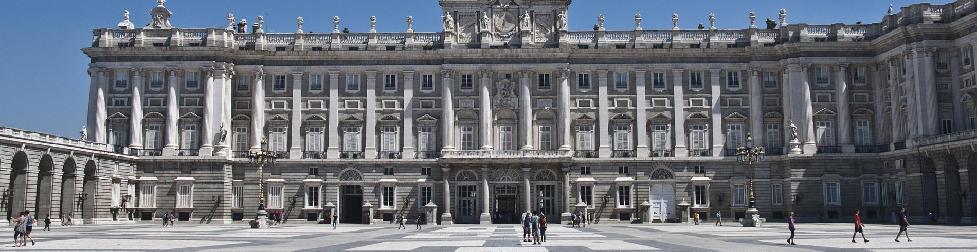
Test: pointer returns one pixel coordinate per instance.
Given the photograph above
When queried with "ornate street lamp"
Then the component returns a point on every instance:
(750, 155)
(261, 158)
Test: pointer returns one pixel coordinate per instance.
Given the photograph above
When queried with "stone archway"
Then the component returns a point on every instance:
(44, 187)
(89, 184)
(67, 188)
(16, 194)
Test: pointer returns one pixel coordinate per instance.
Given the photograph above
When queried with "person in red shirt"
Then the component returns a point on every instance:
(858, 227)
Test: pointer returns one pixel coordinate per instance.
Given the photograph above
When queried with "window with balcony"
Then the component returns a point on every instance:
(697, 137)
(352, 82)
(734, 135)
(278, 83)
(351, 139)
(426, 195)
(121, 79)
(118, 136)
(147, 195)
(315, 82)
(863, 132)
(278, 139)
(468, 137)
(695, 80)
(153, 137)
(389, 82)
(425, 139)
(389, 139)
(312, 193)
(777, 194)
(624, 196)
(192, 80)
(660, 136)
(583, 81)
(585, 137)
(507, 137)
(467, 82)
(188, 137)
(658, 81)
(733, 80)
(832, 193)
(427, 82)
(156, 80)
(946, 126)
(543, 82)
(621, 80)
(314, 138)
(825, 133)
(622, 137)
(772, 138)
(545, 137)
(237, 196)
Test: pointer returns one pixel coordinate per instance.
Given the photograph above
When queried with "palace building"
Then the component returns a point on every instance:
(506, 111)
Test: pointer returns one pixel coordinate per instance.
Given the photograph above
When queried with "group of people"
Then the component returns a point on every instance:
(401, 220)
(859, 227)
(65, 221)
(23, 224)
(576, 219)
(534, 227)
(169, 219)
(719, 218)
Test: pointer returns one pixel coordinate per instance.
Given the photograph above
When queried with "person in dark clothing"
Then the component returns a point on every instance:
(903, 225)
(790, 226)
(858, 227)
(542, 227)
(335, 219)
(400, 221)
(47, 223)
(418, 222)
(525, 227)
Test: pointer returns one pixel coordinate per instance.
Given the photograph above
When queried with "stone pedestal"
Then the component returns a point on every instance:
(206, 151)
(368, 213)
(795, 146)
(261, 220)
(582, 209)
(753, 219)
(446, 218)
(646, 212)
(684, 210)
(485, 219)
(327, 212)
(431, 211)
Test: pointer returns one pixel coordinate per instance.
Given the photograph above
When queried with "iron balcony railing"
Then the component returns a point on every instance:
(390, 155)
(624, 153)
(585, 154)
(351, 155)
(313, 155)
(829, 149)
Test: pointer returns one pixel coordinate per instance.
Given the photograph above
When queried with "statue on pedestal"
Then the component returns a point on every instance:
(126, 24)
(783, 18)
(410, 23)
(84, 133)
(485, 22)
(561, 25)
(335, 24)
(526, 22)
(600, 22)
(373, 24)
(449, 22)
(298, 22)
(230, 22)
(675, 21)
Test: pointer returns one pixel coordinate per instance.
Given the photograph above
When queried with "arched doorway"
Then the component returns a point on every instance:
(67, 189)
(351, 197)
(953, 204)
(44, 187)
(662, 195)
(467, 197)
(89, 183)
(17, 191)
(931, 195)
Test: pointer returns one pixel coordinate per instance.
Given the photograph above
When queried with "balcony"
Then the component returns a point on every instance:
(661, 153)
(187, 152)
(899, 146)
(946, 138)
(871, 148)
(119, 149)
(522, 155)
(729, 152)
(700, 153)
(624, 153)
(390, 155)
(314, 155)
(776, 151)
(351, 155)
(240, 154)
(428, 155)
(280, 154)
(149, 152)
(585, 154)
(829, 149)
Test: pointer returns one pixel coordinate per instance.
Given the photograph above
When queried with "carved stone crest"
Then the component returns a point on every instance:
(505, 95)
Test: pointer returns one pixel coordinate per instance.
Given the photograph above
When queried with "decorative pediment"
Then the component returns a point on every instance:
(622, 117)
(315, 118)
(190, 116)
(279, 117)
(153, 116)
(662, 116)
(352, 118)
(862, 112)
(698, 115)
(736, 116)
(773, 115)
(825, 112)
(585, 117)
(118, 115)
(427, 118)
(390, 118)
(241, 117)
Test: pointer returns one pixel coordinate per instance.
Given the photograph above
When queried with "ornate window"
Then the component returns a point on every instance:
(863, 132)
(466, 175)
(662, 174)
(468, 137)
(545, 137)
(241, 139)
(585, 137)
(350, 175)
(313, 139)
(153, 138)
(739, 195)
(624, 196)
(825, 133)
(660, 137)
(278, 138)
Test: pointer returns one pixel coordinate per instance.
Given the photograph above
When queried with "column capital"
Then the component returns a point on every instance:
(755, 70)
(525, 73)
(678, 70)
(714, 70)
(527, 170)
(408, 73)
(136, 71)
(446, 73)
(445, 168)
(297, 74)
(843, 66)
(602, 73)
(565, 72)
(485, 73)
(640, 71)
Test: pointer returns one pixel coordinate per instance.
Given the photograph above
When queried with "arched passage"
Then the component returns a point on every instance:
(67, 189)
(89, 184)
(44, 187)
(952, 173)
(17, 192)
(930, 193)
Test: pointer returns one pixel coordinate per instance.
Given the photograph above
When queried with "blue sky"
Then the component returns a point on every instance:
(44, 85)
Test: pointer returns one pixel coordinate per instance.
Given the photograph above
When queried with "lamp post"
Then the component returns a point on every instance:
(261, 158)
(750, 155)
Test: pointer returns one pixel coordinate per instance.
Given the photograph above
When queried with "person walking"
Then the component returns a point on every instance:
(418, 222)
(19, 228)
(534, 222)
(695, 218)
(858, 227)
(525, 227)
(903, 225)
(790, 226)
(400, 220)
(47, 223)
(335, 218)
(542, 228)
(29, 225)
(719, 218)
(166, 219)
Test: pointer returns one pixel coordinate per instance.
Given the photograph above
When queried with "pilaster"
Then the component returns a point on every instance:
(844, 114)
(806, 112)
(370, 129)
(258, 109)
(717, 113)
(911, 102)
(223, 82)
(408, 131)
(603, 111)
(929, 107)
(756, 106)
(894, 104)
(207, 131)
(172, 115)
(564, 112)
(641, 114)
(135, 131)
(93, 88)
(485, 110)
(295, 152)
(447, 115)
(678, 118)
(334, 132)
(525, 111)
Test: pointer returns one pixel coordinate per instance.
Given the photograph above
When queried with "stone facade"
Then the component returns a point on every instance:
(506, 111)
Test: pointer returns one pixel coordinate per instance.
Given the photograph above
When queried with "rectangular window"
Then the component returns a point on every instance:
(966, 56)
(279, 83)
(118, 137)
(351, 139)
(389, 139)
(623, 170)
(659, 103)
(622, 137)
(733, 80)
(699, 169)
(832, 193)
(237, 196)
(658, 81)
(313, 171)
(701, 196)
(734, 135)
(352, 104)
(697, 137)
(698, 103)
(390, 104)
(121, 79)
(388, 197)
(777, 194)
(739, 195)
(769, 79)
(156, 102)
(863, 132)
(695, 80)
(156, 80)
(771, 101)
(822, 97)
(120, 102)
(624, 196)
(426, 171)
(314, 139)
(587, 195)
(426, 104)
(900, 192)
(860, 76)
(734, 102)
(425, 138)
(191, 102)
(153, 138)
(467, 81)
(545, 137)
(188, 137)
(427, 82)
(468, 137)
(621, 80)
(507, 137)
(585, 103)
(544, 81)
(660, 137)
(315, 82)
(973, 122)
(585, 137)
(184, 196)
(426, 195)
(312, 196)
(352, 82)
(825, 133)
(583, 81)
(192, 80)
(243, 83)
(585, 170)
(822, 75)
(773, 139)
(147, 195)
(390, 82)
(870, 193)
(946, 126)
(315, 104)
(275, 199)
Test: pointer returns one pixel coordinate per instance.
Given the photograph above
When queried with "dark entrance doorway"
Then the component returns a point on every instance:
(351, 209)
(545, 202)
(15, 196)
(506, 204)
(466, 204)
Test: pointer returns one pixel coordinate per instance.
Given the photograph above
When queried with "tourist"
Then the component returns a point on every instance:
(400, 220)
(903, 225)
(47, 222)
(525, 227)
(19, 228)
(695, 218)
(29, 222)
(335, 218)
(70, 222)
(418, 222)
(166, 219)
(542, 228)
(719, 218)
(790, 226)
(534, 222)
(858, 227)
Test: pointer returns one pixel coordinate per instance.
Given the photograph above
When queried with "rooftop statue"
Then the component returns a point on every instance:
(126, 24)
(561, 25)
(160, 16)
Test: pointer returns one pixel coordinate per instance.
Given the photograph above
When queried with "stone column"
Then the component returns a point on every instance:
(295, 152)
(529, 190)
(959, 123)
(408, 131)
(447, 115)
(641, 116)
(135, 131)
(172, 116)
(929, 107)
(803, 104)
(446, 217)
(100, 81)
(894, 105)
(879, 103)
(225, 116)
(485, 111)
(678, 109)
(258, 109)
(207, 131)
(791, 74)
(567, 207)
(564, 106)
(603, 117)
(716, 129)
(525, 111)
(334, 131)
(486, 216)
(93, 90)
(912, 117)
(370, 131)
(756, 106)
(844, 114)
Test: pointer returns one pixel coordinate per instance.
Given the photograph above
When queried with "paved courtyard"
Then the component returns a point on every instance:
(466, 238)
